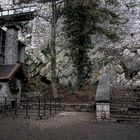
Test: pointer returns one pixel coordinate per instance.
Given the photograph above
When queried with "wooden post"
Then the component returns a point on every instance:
(53, 51)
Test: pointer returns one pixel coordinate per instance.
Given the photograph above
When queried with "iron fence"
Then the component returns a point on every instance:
(40, 107)
(125, 103)
(30, 107)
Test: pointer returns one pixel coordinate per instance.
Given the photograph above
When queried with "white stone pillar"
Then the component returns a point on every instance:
(103, 98)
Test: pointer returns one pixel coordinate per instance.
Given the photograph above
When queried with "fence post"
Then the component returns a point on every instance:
(27, 101)
(45, 107)
(59, 104)
(92, 106)
(5, 105)
(50, 105)
(55, 108)
(39, 108)
(16, 107)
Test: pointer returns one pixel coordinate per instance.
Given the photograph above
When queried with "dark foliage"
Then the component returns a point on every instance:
(84, 18)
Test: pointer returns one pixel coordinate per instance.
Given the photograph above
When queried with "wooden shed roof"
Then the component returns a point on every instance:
(9, 71)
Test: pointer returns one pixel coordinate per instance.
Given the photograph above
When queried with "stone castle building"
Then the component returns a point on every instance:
(11, 57)
(12, 52)
(121, 70)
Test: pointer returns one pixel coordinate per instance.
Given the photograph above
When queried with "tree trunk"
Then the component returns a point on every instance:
(53, 51)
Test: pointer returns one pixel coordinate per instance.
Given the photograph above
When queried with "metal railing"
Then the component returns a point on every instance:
(17, 11)
(40, 107)
(125, 103)
(30, 107)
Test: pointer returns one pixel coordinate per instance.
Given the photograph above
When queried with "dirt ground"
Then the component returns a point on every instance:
(66, 126)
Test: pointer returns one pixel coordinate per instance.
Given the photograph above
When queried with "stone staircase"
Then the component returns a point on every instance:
(125, 104)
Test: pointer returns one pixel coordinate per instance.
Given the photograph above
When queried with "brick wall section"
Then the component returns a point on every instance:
(4, 92)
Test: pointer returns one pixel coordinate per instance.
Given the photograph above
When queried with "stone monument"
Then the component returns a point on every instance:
(103, 98)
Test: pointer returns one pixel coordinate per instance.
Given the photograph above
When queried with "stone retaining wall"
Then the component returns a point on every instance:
(74, 107)
(78, 107)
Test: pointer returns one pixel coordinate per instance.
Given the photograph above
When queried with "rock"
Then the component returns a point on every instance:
(67, 73)
(119, 69)
(138, 51)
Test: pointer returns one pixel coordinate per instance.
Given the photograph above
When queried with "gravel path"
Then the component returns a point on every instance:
(67, 126)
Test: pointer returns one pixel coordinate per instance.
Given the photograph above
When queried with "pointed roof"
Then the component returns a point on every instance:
(9, 71)
(103, 89)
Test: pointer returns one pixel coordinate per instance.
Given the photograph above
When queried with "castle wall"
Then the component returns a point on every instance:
(130, 38)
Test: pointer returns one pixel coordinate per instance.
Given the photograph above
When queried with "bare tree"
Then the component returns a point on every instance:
(53, 50)
(52, 20)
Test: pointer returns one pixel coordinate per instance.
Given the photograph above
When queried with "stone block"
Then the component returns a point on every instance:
(99, 107)
(98, 115)
(107, 115)
(102, 111)
(138, 51)
(106, 107)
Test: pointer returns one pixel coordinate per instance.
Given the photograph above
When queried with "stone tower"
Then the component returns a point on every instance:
(11, 46)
